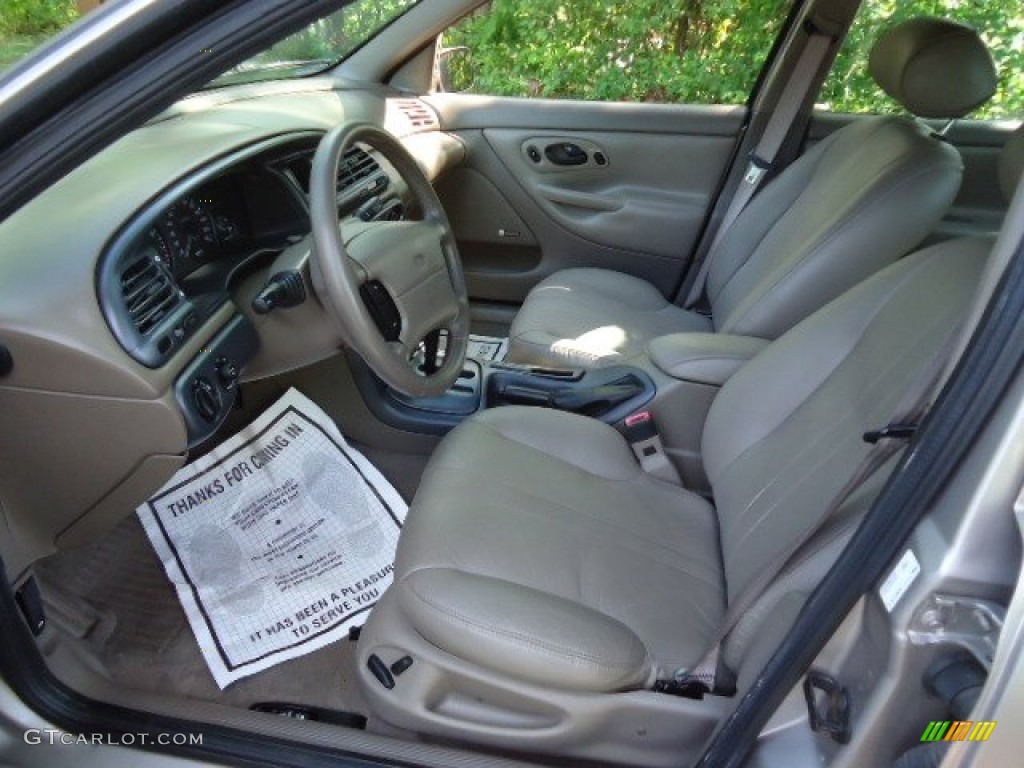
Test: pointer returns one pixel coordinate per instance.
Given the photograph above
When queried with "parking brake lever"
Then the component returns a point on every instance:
(589, 400)
(595, 399)
(525, 395)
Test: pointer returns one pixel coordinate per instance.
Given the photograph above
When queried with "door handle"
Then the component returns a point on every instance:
(566, 153)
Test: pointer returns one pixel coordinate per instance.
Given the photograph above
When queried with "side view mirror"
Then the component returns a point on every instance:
(453, 69)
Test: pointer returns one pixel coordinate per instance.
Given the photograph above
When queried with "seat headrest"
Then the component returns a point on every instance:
(933, 67)
(1011, 163)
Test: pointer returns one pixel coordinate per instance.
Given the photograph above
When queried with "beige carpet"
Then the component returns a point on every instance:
(114, 599)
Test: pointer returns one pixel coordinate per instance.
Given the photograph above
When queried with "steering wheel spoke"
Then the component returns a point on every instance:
(382, 269)
(403, 351)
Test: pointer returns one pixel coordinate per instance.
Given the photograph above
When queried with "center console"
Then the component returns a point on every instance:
(673, 387)
(609, 394)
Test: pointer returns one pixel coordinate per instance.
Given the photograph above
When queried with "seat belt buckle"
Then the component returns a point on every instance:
(642, 435)
(756, 169)
(639, 426)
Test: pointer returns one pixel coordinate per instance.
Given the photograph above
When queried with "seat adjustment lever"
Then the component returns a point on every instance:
(890, 432)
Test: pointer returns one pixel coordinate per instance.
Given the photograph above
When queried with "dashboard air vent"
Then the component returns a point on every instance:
(149, 294)
(357, 165)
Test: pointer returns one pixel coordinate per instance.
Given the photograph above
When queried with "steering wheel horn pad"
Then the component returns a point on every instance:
(416, 262)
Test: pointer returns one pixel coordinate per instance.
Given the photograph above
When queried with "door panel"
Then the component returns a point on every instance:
(979, 206)
(548, 185)
(649, 195)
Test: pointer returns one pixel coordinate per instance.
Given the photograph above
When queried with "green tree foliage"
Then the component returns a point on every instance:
(706, 51)
(24, 24)
(849, 88)
(33, 18)
(698, 51)
(688, 51)
(334, 36)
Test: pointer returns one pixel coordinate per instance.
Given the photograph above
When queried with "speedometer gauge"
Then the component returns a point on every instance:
(190, 230)
(163, 250)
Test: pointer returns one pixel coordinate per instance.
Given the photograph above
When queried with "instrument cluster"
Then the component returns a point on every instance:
(197, 229)
(171, 266)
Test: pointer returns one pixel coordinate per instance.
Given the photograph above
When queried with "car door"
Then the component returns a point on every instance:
(602, 153)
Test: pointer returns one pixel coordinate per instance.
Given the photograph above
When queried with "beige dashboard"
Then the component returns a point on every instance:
(89, 431)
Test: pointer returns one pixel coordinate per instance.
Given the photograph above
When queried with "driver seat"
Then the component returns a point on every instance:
(856, 202)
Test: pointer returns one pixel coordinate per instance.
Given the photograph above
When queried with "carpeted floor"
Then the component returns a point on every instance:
(115, 601)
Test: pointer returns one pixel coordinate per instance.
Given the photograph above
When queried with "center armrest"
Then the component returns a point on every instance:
(705, 358)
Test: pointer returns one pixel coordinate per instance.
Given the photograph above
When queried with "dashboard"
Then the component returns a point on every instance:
(126, 292)
(174, 262)
(177, 260)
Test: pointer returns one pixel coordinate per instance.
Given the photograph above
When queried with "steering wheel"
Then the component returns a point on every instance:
(389, 284)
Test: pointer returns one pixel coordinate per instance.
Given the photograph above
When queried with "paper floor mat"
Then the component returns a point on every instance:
(276, 542)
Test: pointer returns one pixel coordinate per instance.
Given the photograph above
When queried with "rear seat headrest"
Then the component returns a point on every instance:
(1011, 163)
(933, 67)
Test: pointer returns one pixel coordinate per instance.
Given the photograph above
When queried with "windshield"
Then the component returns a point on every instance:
(26, 24)
(319, 46)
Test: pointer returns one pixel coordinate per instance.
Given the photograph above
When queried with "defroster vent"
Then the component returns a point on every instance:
(418, 115)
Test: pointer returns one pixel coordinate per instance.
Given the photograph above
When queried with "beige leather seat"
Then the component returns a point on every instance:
(544, 582)
(855, 202)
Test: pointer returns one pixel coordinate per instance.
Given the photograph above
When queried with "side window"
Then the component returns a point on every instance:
(689, 51)
(850, 89)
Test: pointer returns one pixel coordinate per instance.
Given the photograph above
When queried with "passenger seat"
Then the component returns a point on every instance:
(857, 201)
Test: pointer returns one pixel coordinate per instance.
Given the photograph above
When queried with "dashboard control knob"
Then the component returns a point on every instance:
(227, 373)
(206, 398)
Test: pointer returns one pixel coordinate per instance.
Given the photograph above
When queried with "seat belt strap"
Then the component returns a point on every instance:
(885, 443)
(774, 136)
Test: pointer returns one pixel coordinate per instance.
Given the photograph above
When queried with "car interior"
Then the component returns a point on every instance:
(674, 446)
(826, 223)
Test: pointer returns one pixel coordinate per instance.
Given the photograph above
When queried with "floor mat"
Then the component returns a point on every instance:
(277, 542)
